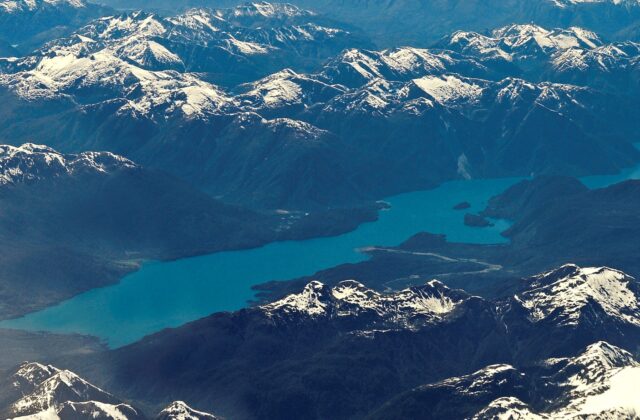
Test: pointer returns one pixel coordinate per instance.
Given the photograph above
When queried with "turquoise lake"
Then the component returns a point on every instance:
(169, 294)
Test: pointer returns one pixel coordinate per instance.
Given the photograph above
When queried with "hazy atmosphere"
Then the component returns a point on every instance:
(319, 209)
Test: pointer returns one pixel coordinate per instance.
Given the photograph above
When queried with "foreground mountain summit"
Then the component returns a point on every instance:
(596, 384)
(36, 391)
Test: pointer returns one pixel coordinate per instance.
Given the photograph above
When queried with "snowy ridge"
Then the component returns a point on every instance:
(287, 88)
(559, 297)
(520, 42)
(431, 93)
(479, 383)
(590, 385)
(179, 410)
(31, 162)
(445, 89)
(142, 61)
(518, 37)
(355, 67)
(172, 39)
(563, 295)
(265, 10)
(565, 3)
(408, 308)
(558, 53)
(96, 77)
(510, 408)
(61, 387)
(48, 393)
(14, 6)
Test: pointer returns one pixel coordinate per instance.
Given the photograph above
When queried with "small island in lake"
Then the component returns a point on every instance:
(475, 220)
(462, 206)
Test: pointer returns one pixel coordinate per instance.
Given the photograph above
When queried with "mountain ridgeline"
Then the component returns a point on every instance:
(521, 100)
(342, 351)
(387, 21)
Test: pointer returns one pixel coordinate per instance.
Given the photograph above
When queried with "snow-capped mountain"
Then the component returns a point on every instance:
(179, 410)
(410, 308)
(60, 387)
(17, 6)
(567, 295)
(30, 23)
(46, 392)
(102, 77)
(356, 67)
(573, 55)
(124, 83)
(344, 337)
(588, 386)
(520, 42)
(413, 22)
(218, 42)
(30, 163)
(286, 92)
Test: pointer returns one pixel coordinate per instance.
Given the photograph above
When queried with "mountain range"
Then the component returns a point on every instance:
(409, 22)
(146, 131)
(348, 351)
(125, 84)
(27, 24)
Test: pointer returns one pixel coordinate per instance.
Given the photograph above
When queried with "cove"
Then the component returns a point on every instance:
(168, 294)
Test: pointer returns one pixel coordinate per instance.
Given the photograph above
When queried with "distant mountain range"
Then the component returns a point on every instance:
(409, 22)
(128, 84)
(27, 24)
(349, 351)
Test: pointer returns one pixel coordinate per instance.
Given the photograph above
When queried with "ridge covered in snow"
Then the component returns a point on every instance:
(562, 298)
(564, 295)
(408, 308)
(53, 387)
(587, 386)
(520, 41)
(562, 54)
(30, 163)
(46, 392)
(179, 410)
(594, 384)
(14, 6)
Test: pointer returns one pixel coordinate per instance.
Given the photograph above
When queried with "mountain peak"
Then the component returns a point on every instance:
(12, 6)
(507, 408)
(562, 295)
(409, 308)
(269, 10)
(179, 410)
(32, 162)
(61, 387)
